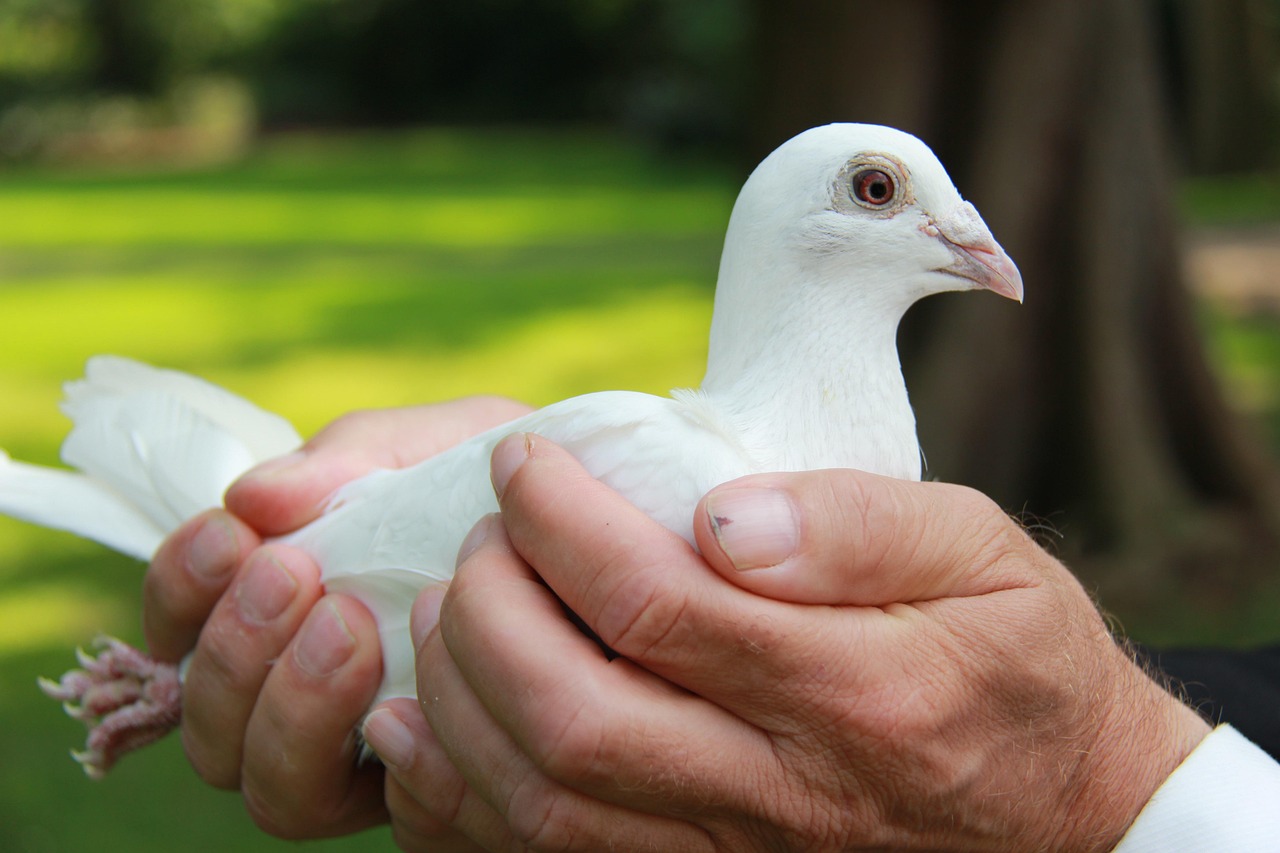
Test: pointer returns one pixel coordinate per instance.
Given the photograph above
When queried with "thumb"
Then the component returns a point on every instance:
(283, 494)
(848, 537)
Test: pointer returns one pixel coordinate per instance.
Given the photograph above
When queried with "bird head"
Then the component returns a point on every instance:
(864, 203)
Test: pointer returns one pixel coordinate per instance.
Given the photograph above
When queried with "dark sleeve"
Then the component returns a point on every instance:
(1240, 687)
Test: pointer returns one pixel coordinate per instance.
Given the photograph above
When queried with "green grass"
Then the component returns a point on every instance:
(1222, 200)
(1246, 349)
(321, 275)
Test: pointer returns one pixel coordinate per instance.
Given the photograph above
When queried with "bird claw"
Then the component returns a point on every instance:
(125, 698)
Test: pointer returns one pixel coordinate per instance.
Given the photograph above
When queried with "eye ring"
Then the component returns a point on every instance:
(872, 188)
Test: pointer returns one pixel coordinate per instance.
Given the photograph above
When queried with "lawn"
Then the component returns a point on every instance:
(321, 275)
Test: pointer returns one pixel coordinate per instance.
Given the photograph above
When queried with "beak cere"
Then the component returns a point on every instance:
(976, 255)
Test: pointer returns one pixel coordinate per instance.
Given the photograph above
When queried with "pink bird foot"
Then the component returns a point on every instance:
(125, 698)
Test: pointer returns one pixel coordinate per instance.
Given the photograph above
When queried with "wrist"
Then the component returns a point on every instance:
(1142, 734)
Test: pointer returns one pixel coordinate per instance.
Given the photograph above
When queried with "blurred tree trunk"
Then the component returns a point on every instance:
(1092, 407)
(126, 50)
(1223, 61)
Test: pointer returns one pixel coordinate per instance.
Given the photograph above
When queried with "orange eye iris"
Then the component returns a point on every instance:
(872, 187)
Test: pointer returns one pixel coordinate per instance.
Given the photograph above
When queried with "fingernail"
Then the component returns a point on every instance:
(266, 590)
(275, 467)
(509, 455)
(212, 552)
(756, 528)
(479, 533)
(426, 612)
(325, 642)
(389, 738)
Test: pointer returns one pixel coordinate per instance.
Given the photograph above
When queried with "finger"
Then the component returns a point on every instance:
(283, 494)
(187, 576)
(554, 724)
(413, 828)
(640, 587)
(848, 537)
(651, 598)
(432, 807)
(248, 630)
(300, 774)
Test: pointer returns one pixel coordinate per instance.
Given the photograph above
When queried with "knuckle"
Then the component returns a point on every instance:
(209, 727)
(845, 505)
(494, 403)
(353, 438)
(974, 504)
(157, 587)
(846, 513)
(638, 618)
(170, 632)
(217, 668)
(216, 767)
(562, 742)
(962, 524)
(431, 818)
(166, 582)
(992, 534)
(541, 818)
(166, 560)
(354, 421)
(282, 820)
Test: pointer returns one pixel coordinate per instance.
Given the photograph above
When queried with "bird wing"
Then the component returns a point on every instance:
(389, 534)
(661, 454)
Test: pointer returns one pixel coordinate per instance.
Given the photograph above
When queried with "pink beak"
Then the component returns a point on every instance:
(975, 253)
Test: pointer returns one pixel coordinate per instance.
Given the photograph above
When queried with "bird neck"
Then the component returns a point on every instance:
(812, 379)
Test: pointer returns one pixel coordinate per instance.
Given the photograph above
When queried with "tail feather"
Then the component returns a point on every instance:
(153, 448)
(66, 500)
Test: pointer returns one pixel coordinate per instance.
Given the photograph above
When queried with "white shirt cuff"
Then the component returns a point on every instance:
(1223, 798)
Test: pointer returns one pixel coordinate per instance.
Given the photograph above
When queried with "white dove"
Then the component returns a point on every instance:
(833, 237)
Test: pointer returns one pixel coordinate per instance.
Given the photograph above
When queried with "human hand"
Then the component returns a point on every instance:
(281, 672)
(922, 675)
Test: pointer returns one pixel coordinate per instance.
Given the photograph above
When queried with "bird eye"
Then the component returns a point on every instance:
(872, 188)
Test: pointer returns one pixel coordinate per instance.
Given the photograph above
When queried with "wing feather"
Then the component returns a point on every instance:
(66, 500)
(389, 534)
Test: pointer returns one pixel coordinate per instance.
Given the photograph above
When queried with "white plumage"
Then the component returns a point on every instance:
(832, 238)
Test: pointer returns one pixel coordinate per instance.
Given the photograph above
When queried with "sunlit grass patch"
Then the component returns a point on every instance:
(1246, 350)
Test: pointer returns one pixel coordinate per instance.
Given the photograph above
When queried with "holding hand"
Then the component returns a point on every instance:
(921, 674)
(281, 674)
(917, 672)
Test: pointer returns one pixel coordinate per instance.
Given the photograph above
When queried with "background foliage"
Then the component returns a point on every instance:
(664, 68)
